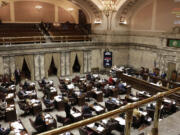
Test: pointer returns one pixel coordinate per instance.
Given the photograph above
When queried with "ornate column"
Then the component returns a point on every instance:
(37, 67)
(12, 13)
(89, 61)
(63, 64)
(67, 63)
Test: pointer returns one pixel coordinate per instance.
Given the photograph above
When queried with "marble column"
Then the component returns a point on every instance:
(67, 63)
(6, 63)
(12, 64)
(85, 62)
(63, 64)
(89, 61)
(37, 67)
(42, 70)
(1, 67)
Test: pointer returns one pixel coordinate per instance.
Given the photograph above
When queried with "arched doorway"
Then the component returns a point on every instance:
(76, 66)
(52, 69)
(25, 73)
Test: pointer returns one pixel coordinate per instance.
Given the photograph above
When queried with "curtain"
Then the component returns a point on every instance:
(81, 59)
(56, 57)
(30, 63)
(19, 62)
(47, 63)
(73, 56)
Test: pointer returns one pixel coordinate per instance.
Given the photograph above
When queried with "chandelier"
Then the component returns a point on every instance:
(109, 6)
(3, 3)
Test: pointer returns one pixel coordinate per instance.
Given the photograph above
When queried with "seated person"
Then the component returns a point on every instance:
(3, 105)
(39, 119)
(86, 111)
(163, 75)
(26, 84)
(4, 131)
(121, 88)
(111, 81)
(43, 81)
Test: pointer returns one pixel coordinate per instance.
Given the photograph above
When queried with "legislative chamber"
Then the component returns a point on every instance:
(89, 67)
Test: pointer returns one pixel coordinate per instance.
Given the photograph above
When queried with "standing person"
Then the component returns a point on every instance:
(67, 107)
(17, 76)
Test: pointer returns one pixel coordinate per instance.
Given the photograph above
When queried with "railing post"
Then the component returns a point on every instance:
(129, 117)
(156, 117)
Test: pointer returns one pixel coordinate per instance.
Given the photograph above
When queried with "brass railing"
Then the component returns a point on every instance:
(128, 109)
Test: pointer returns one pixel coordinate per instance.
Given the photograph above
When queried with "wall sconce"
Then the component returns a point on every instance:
(123, 22)
(70, 9)
(38, 7)
(97, 21)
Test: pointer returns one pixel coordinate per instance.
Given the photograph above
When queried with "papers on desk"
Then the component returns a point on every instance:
(52, 89)
(17, 125)
(134, 98)
(10, 108)
(91, 125)
(104, 121)
(32, 84)
(70, 86)
(98, 92)
(125, 84)
(111, 87)
(58, 98)
(95, 75)
(98, 108)
(169, 101)
(120, 120)
(10, 95)
(75, 114)
(143, 113)
(100, 128)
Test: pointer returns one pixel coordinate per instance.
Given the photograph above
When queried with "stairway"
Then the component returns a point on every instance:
(167, 126)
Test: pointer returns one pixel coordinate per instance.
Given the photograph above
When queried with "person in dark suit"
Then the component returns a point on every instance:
(39, 119)
(43, 81)
(67, 108)
(26, 84)
(4, 131)
(86, 111)
(17, 76)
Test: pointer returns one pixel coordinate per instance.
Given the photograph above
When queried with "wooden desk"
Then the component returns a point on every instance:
(98, 95)
(59, 103)
(99, 109)
(146, 86)
(10, 114)
(80, 98)
(35, 105)
(10, 98)
(113, 104)
(75, 114)
(18, 127)
(97, 128)
(49, 121)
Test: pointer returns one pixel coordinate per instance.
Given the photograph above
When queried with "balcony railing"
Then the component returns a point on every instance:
(43, 39)
(128, 109)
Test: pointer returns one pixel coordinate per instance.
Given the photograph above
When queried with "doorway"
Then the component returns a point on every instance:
(25, 73)
(171, 71)
(52, 69)
(76, 66)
